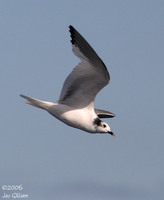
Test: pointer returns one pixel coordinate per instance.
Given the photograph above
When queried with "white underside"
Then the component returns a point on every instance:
(77, 118)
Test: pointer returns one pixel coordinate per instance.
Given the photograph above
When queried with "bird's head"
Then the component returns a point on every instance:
(102, 127)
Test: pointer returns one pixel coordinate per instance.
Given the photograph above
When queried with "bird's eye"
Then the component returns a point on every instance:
(104, 125)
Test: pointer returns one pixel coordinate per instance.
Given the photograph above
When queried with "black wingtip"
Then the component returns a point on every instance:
(71, 27)
(72, 31)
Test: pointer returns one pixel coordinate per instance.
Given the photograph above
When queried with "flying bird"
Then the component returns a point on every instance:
(75, 106)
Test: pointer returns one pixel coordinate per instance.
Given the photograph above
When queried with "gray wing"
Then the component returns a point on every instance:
(87, 78)
(104, 114)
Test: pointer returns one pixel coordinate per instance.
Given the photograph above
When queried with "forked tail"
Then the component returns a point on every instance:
(35, 102)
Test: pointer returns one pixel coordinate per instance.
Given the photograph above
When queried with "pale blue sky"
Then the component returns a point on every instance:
(52, 160)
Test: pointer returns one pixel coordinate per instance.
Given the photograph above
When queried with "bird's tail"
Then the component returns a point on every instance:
(35, 102)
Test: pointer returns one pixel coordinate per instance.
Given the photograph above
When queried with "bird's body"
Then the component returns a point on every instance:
(78, 118)
(75, 106)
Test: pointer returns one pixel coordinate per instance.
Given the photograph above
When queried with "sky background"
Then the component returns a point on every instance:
(53, 161)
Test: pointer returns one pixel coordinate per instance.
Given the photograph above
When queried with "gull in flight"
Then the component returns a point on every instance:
(75, 106)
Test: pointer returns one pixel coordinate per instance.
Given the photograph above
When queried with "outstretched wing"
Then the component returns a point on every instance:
(104, 113)
(87, 78)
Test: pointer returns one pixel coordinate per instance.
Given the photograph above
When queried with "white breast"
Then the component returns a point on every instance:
(78, 118)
